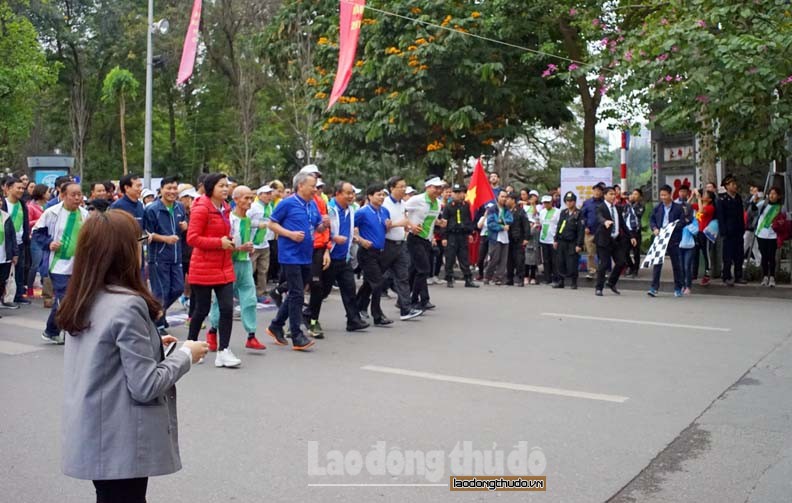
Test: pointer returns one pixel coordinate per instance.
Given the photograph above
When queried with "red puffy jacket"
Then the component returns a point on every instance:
(209, 264)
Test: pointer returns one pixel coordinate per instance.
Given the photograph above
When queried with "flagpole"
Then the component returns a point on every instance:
(149, 97)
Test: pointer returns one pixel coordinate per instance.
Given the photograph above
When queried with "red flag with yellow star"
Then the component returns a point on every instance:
(479, 191)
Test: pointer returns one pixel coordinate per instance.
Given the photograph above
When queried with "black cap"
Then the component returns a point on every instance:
(570, 196)
(728, 179)
(459, 188)
(600, 186)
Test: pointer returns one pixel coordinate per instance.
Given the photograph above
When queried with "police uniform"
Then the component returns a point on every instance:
(460, 227)
(570, 234)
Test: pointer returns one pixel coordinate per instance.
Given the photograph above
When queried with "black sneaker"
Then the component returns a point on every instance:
(383, 322)
(8, 305)
(302, 343)
(276, 296)
(22, 301)
(277, 335)
(427, 306)
(411, 314)
(357, 325)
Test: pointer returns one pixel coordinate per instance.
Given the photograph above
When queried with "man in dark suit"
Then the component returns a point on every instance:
(612, 242)
(663, 214)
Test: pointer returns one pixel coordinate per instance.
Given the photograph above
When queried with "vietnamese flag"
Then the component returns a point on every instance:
(479, 192)
(190, 44)
(349, 32)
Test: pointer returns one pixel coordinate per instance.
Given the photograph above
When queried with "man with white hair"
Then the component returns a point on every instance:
(423, 210)
(244, 289)
(259, 214)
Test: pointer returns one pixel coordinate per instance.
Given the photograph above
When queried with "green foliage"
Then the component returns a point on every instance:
(24, 73)
(702, 64)
(119, 84)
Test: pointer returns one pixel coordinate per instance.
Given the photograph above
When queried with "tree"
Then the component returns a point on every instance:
(421, 97)
(24, 74)
(119, 85)
(717, 68)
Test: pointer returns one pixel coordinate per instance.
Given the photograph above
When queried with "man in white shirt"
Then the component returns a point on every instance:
(57, 231)
(548, 218)
(423, 211)
(259, 214)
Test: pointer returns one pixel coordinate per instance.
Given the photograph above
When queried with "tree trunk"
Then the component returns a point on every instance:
(708, 154)
(122, 112)
(589, 136)
(78, 116)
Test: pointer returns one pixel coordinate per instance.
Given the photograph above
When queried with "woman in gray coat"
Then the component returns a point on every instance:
(119, 409)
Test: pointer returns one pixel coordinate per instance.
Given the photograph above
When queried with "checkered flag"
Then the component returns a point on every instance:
(657, 251)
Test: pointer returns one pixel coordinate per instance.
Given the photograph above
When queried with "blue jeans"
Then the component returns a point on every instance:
(167, 285)
(297, 276)
(36, 255)
(673, 254)
(59, 284)
(686, 256)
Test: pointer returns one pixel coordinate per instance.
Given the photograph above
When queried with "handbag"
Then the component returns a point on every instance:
(712, 230)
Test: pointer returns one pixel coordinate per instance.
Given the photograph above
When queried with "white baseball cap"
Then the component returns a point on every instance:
(357, 190)
(311, 169)
(191, 192)
(409, 190)
(146, 193)
(547, 199)
(534, 193)
(264, 189)
(434, 182)
(319, 183)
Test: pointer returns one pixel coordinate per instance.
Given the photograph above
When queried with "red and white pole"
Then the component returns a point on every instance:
(624, 148)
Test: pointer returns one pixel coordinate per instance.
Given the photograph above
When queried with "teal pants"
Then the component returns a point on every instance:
(245, 291)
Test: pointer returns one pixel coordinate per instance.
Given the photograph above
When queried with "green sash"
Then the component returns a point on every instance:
(769, 216)
(260, 234)
(17, 217)
(69, 238)
(548, 220)
(244, 237)
(434, 206)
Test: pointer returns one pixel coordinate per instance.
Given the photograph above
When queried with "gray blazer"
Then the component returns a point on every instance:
(119, 406)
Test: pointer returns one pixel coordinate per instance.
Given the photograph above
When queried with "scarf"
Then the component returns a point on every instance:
(244, 237)
(69, 239)
(17, 217)
(769, 215)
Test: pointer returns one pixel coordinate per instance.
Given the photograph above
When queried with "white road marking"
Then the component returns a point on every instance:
(23, 322)
(378, 485)
(638, 322)
(14, 348)
(498, 384)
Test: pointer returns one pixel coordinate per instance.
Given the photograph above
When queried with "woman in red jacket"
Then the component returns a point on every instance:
(210, 265)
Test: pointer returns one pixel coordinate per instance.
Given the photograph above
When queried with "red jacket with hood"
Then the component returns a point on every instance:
(210, 264)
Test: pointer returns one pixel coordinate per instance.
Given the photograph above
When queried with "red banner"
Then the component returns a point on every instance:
(190, 44)
(480, 191)
(349, 32)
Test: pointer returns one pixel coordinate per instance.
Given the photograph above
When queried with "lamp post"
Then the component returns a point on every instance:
(161, 27)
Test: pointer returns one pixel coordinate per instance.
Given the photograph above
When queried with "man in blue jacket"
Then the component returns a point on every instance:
(132, 187)
(164, 220)
(732, 228)
(663, 214)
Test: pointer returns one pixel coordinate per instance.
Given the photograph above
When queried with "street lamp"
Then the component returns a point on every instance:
(160, 27)
(300, 156)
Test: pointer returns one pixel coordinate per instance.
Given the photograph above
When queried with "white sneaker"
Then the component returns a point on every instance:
(771, 282)
(226, 358)
(765, 281)
(200, 361)
(414, 313)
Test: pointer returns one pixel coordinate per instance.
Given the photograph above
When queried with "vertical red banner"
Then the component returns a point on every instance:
(190, 44)
(349, 32)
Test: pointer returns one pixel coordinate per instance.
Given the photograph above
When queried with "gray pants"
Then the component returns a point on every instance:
(498, 257)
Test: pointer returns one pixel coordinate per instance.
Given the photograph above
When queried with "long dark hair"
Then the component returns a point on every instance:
(107, 256)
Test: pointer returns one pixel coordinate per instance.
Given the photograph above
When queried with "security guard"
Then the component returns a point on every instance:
(569, 240)
(457, 235)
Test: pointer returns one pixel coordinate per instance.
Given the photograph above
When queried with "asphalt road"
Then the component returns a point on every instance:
(628, 411)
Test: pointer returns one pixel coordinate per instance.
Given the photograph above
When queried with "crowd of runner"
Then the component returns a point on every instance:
(219, 248)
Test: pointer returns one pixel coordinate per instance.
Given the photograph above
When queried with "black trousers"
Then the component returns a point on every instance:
(634, 255)
(550, 261)
(732, 255)
(274, 266)
(768, 247)
(568, 259)
(615, 251)
(341, 272)
(483, 252)
(515, 263)
(121, 491)
(421, 254)
(373, 281)
(438, 254)
(321, 284)
(203, 301)
(457, 251)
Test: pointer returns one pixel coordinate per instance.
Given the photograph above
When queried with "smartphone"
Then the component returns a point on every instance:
(170, 348)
